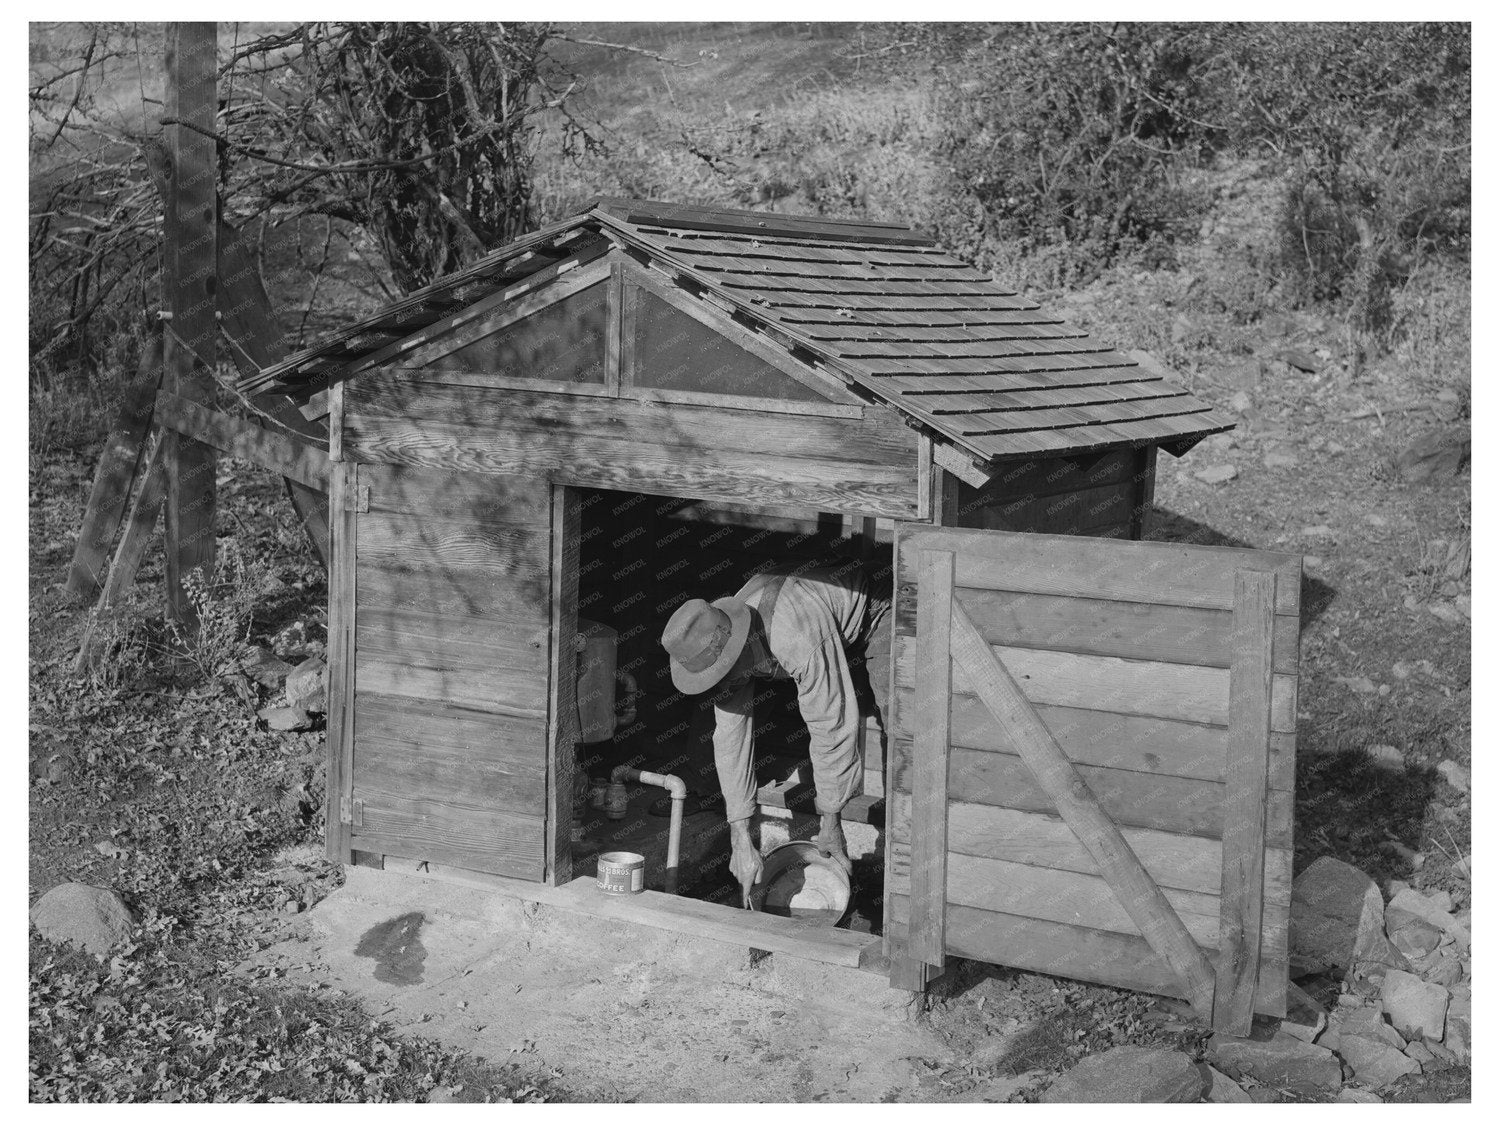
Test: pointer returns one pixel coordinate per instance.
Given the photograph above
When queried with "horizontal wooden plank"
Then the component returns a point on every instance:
(450, 642)
(1119, 960)
(447, 543)
(477, 839)
(410, 578)
(1140, 800)
(808, 939)
(1102, 738)
(499, 691)
(240, 437)
(517, 742)
(1163, 573)
(393, 765)
(1099, 683)
(659, 468)
(1184, 863)
(878, 439)
(1079, 899)
(421, 491)
(1131, 630)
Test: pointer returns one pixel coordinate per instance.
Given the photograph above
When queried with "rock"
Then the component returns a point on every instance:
(1415, 904)
(1182, 328)
(1454, 774)
(1362, 685)
(1133, 1075)
(1305, 1018)
(1367, 1023)
(307, 686)
(1317, 531)
(1217, 474)
(92, 918)
(1416, 1008)
(1244, 376)
(1387, 757)
(1434, 456)
(1240, 403)
(285, 718)
(1464, 604)
(1376, 1064)
(1445, 613)
(1223, 1089)
(1295, 357)
(1281, 1061)
(1442, 966)
(1338, 920)
(1279, 459)
(1417, 1051)
(1360, 1097)
(1416, 939)
(444, 1095)
(264, 668)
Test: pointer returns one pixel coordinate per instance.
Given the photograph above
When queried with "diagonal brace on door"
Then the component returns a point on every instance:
(1138, 893)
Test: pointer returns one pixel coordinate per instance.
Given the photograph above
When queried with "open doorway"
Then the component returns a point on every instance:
(640, 558)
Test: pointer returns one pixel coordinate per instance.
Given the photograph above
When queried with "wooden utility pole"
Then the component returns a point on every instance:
(190, 258)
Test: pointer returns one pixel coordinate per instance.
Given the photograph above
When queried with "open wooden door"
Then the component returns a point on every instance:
(443, 710)
(1092, 762)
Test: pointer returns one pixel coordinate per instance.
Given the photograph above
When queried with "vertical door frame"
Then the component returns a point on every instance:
(562, 676)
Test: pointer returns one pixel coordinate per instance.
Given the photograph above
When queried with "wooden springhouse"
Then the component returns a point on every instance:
(645, 402)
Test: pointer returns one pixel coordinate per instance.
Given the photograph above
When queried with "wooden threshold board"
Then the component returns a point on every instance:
(810, 941)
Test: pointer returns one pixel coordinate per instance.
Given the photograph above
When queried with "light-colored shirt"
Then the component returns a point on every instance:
(820, 613)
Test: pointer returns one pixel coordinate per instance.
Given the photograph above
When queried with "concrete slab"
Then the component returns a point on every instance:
(622, 1010)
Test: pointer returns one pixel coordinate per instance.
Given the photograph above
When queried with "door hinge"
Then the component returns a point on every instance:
(351, 811)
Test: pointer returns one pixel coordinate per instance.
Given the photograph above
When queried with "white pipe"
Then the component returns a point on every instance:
(678, 789)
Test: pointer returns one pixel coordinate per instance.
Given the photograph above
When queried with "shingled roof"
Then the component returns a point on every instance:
(877, 304)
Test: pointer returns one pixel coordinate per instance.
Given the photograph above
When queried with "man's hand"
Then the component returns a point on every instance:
(744, 861)
(831, 842)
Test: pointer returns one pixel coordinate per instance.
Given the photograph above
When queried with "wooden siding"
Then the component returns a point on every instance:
(1097, 496)
(1125, 652)
(452, 652)
(864, 465)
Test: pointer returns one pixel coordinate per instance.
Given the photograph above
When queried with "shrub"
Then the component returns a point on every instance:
(1072, 134)
(1373, 124)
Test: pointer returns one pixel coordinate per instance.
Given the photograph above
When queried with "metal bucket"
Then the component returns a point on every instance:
(798, 882)
(621, 873)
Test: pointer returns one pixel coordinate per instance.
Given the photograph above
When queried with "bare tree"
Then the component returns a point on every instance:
(420, 135)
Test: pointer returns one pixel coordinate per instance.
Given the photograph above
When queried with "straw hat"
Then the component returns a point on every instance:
(703, 641)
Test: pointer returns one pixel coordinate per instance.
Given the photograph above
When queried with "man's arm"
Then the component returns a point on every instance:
(734, 758)
(734, 751)
(826, 698)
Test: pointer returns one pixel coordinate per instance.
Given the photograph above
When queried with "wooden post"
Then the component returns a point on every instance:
(930, 752)
(254, 341)
(115, 476)
(132, 546)
(340, 741)
(1145, 493)
(190, 258)
(562, 704)
(1242, 891)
